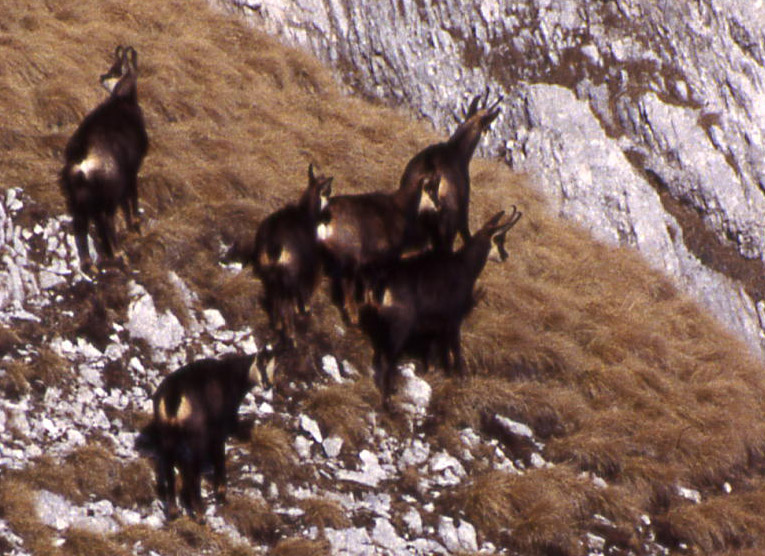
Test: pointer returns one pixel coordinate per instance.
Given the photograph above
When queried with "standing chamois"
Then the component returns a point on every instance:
(102, 159)
(422, 301)
(195, 411)
(286, 255)
(446, 166)
(362, 234)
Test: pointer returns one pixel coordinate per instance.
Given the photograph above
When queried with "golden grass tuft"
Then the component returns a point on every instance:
(342, 409)
(17, 508)
(93, 472)
(272, 452)
(85, 543)
(324, 512)
(301, 547)
(252, 518)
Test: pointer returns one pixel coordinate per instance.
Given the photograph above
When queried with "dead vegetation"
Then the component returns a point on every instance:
(619, 374)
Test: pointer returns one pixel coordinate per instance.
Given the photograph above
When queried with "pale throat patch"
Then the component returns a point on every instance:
(323, 202)
(254, 373)
(110, 83)
(426, 203)
(324, 231)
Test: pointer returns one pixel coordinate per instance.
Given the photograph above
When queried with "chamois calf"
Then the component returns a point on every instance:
(102, 159)
(361, 234)
(426, 298)
(447, 167)
(195, 411)
(286, 255)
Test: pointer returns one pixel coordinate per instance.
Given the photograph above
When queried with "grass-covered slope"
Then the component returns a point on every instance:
(619, 374)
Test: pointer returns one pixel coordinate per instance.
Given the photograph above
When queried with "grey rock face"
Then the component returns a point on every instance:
(643, 121)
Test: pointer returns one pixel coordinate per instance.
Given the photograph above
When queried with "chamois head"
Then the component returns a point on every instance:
(316, 196)
(120, 80)
(475, 120)
(261, 373)
(497, 233)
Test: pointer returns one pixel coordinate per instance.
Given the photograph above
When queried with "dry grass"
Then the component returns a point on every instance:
(324, 512)
(252, 518)
(272, 453)
(181, 537)
(92, 472)
(301, 547)
(85, 543)
(17, 508)
(615, 370)
(342, 410)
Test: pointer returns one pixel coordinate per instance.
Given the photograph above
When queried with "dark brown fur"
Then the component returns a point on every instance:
(102, 159)
(422, 301)
(446, 168)
(195, 411)
(361, 234)
(286, 255)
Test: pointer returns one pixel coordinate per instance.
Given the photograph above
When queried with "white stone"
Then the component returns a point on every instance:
(311, 427)
(214, 319)
(332, 446)
(413, 521)
(303, 447)
(331, 368)
(385, 535)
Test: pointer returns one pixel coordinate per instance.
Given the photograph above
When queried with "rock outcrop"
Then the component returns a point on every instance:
(643, 121)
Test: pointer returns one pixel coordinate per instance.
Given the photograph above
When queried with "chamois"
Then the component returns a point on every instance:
(446, 165)
(195, 411)
(102, 159)
(361, 234)
(286, 255)
(424, 299)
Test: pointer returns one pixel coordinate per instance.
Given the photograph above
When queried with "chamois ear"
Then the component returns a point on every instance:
(473, 106)
(131, 58)
(512, 220)
(311, 175)
(326, 187)
(494, 220)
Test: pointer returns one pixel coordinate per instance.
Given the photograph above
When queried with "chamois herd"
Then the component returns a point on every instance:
(389, 258)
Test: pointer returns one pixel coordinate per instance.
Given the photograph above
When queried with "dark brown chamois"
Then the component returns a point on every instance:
(102, 159)
(195, 411)
(286, 255)
(422, 301)
(361, 234)
(446, 165)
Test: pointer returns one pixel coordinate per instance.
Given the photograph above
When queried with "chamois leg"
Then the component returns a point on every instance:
(191, 491)
(456, 349)
(106, 234)
(166, 485)
(133, 198)
(81, 240)
(219, 472)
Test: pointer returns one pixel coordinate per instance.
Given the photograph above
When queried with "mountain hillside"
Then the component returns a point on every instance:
(606, 412)
(642, 120)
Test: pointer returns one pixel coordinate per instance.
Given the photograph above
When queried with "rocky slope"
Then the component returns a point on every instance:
(642, 120)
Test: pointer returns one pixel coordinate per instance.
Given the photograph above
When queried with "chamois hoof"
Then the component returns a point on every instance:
(172, 513)
(220, 495)
(87, 267)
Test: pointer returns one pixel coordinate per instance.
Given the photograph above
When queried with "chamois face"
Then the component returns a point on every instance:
(261, 373)
(497, 233)
(119, 68)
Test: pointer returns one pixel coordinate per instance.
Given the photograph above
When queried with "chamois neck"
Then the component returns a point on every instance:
(126, 89)
(474, 254)
(465, 139)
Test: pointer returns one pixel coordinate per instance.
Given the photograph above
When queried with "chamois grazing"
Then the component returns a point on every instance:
(102, 159)
(361, 234)
(286, 255)
(422, 301)
(195, 411)
(446, 165)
